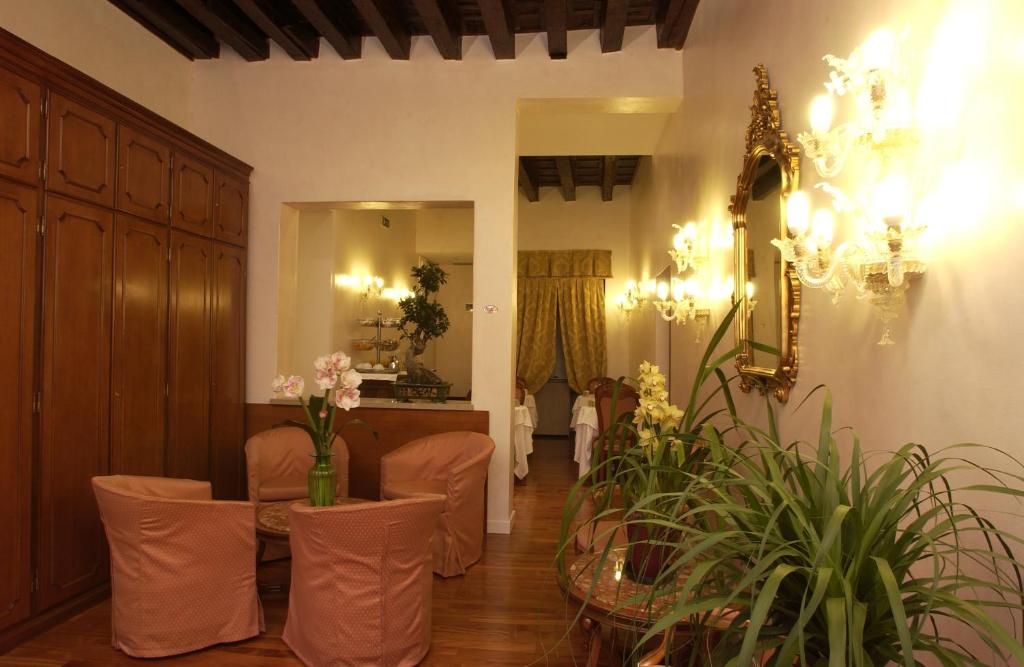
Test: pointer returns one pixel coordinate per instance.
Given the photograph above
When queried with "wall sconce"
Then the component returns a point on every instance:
(885, 250)
(370, 286)
(677, 299)
(684, 250)
(634, 297)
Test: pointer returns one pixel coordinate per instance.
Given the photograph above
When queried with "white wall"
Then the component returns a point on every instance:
(587, 224)
(99, 39)
(426, 129)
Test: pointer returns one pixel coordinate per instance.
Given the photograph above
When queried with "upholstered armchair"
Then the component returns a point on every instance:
(182, 566)
(277, 464)
(361, 583)
(453, 465)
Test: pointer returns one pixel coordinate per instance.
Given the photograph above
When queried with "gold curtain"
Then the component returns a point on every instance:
(567, 284)
(584, 342)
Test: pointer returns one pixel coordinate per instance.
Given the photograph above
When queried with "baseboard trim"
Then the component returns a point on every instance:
(39, 623)
(501, 526)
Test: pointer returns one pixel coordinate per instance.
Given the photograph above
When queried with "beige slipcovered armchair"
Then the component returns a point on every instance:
(182, 566)
(453, 465)
(361, 583)
(277, 463)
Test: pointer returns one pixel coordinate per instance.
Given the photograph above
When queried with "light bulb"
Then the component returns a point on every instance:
(892, 199)
(662, 290)
(822, 226)
(677, 241)
(678, 290)
(822, 111)
(798, 212)
(378, 281)
(750, 290)
(630, 285)
(879, 50)
(690, 231)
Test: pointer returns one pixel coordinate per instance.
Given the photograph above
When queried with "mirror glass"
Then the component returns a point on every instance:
(764, 263)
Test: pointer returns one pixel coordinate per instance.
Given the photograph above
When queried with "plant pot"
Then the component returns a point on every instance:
(323, 482)
(406, 392)
(651, 548)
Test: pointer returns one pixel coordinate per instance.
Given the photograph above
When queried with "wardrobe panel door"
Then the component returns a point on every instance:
(81, 152)
(74, 434)
(188, 441)
(20, 116)
(227, 425)
(18, 257)
(144, 175)
(139, 394)
(231, 211)
(193, 195)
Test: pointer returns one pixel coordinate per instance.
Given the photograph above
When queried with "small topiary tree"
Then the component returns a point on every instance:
(423, 319)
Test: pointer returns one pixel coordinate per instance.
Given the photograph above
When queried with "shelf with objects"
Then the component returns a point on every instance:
(378, 378)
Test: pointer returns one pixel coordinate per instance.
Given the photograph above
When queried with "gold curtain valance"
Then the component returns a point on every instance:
(565, 264)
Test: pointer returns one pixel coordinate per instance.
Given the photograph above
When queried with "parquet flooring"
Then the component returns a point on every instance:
(507, 610)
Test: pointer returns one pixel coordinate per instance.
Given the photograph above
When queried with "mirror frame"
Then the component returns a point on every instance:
(765, 136)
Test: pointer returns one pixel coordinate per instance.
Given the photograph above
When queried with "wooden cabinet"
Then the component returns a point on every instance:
(81, 151)
(18, 259)
(20, 116)
(193, 195)
(227, 422)
(75, 417)
(138, 398)
(231, 209)
(143, 175)
(188, 435)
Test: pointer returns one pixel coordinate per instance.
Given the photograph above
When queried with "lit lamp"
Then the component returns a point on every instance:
(677, 301)
(632, 299)
(684, 248)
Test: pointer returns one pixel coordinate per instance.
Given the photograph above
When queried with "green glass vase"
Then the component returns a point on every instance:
(323, 482)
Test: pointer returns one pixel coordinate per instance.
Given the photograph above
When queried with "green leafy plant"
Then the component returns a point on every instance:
(423, 319)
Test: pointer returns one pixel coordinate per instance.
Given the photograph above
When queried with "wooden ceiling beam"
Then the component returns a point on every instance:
(497, 18)
(527, 184)
(230, 26)
(556, 16)
(613, 25)
(608, 178)
(345, 40)
(386, 23)
(674, 21)
(442, 22)
(564, 166)
(174, 26)
(300, 42)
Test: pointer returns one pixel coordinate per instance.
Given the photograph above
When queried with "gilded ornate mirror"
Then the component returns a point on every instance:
(768, 286)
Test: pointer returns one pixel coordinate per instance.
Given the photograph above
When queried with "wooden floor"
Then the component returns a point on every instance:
(507, 610)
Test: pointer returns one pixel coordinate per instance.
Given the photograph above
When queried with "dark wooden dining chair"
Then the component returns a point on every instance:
(613, 400)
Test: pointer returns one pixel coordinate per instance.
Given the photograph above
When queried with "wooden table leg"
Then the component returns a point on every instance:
(261, 546)
(593, 629)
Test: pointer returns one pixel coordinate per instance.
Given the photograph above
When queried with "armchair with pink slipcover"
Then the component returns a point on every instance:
(453, 465)
(182, 566)
(361, 583)
(277, 463)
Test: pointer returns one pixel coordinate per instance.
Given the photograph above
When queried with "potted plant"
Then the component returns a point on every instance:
(334, 375)
(423, 319)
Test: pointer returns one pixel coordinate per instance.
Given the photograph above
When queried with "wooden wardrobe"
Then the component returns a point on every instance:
(122, 321)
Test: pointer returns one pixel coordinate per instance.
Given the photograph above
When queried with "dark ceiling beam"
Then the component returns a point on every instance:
(168, 22)
(564, 165)
(613, 25)
(497, 18)
(300, 42)
(386, 23)
(556, 16)
(608, 178)
(230, 26)
(674, 21)
(344, 38)
(442, 22)
(527, 184)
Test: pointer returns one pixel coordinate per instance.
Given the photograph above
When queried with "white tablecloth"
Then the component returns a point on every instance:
(522, 439)
(531, 404)
(584, 422)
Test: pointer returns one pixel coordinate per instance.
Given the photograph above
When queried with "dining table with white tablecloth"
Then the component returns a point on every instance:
(522, 439)
(531, 404)
(584, 423)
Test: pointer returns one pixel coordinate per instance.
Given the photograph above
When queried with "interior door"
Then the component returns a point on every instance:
(193, 195)
(144, 175)
(18, 257)
(189, 362)
(81, 152)
(20, 116)
(139, 382)
(227, 422)
(231, 210)
(74, 424)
